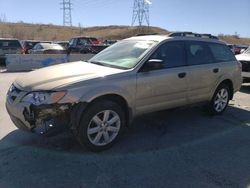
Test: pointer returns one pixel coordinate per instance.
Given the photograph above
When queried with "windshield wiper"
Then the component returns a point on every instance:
(107, 65)
(97, 63)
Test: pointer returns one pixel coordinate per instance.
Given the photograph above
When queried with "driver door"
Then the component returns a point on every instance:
(164, 87)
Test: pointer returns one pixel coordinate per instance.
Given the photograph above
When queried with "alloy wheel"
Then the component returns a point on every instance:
(104, 128)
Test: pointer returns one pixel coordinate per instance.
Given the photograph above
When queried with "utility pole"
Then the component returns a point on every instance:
(141, 12)
(67, 7)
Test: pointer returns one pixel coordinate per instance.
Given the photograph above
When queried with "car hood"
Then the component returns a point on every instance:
(64, 74)
(243, 57)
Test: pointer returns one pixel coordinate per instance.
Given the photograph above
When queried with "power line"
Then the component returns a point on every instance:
(96, 3)
(67, 17)
(141, 12)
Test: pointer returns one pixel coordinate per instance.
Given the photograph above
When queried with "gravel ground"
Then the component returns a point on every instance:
(177, 148)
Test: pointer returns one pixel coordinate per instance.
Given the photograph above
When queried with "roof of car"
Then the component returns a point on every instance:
(76, 37)
(160, 38)
(8, 39)
(30, 41)
(51, 46)
(157, 38)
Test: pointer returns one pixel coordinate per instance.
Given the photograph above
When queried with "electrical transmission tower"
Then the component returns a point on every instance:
(67, 7)
(141, 12)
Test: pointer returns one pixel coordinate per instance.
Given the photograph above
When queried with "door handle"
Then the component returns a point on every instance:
(182, 75)
(216, 70)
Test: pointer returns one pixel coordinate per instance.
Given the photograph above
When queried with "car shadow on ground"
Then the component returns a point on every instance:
(245, 88)
(165, 149)
(156, 131)
(2, 68)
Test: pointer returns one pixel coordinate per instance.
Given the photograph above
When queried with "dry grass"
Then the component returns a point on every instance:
(25, 31)
(235, 40)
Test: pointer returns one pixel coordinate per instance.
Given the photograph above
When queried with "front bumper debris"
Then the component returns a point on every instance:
(39, 119)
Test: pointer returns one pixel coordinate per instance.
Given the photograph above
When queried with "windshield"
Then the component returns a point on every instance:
(247, 51)
(52, 46)
(125, 54)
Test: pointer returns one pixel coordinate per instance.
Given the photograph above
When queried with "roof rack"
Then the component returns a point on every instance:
(145, 34)
(190, 34)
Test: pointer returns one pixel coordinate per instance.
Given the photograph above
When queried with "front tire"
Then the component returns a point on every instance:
(101, 125)
(220, 100)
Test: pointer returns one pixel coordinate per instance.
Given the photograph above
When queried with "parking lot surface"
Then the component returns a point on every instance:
(175, 148)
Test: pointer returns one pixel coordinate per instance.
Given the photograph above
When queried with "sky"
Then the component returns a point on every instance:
(202, 16)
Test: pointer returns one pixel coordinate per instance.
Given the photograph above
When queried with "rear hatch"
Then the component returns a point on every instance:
(9, 47)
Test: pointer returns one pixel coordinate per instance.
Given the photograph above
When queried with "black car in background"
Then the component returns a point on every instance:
(237, 49)
(109, 42)
(85, 45)
(9, 46)
(28, 45)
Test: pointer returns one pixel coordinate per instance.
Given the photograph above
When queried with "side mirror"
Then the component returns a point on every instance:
(153, 64)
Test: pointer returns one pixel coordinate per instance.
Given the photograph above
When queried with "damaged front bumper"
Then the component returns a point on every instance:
(39, 119)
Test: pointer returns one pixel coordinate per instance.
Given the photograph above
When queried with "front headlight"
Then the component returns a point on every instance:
(38, 98)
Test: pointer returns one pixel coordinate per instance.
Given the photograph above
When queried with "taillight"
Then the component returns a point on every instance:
(23, 50)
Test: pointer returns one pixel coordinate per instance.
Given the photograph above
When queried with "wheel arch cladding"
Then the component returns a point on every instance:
(229, 83)
(116, 99)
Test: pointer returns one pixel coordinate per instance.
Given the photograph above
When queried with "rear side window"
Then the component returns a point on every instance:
(9, 44)
(172, 54)
(199, 53)
(30, 44)
(93, 39)
(221, 52)
(83, 41)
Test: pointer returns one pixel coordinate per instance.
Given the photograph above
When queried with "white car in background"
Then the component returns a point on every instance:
(244, 58)
(48, 48)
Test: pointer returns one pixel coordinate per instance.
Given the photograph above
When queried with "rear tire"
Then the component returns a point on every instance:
(101, 125)
(220, 100)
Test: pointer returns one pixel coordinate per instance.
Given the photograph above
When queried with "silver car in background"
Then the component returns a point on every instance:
(139, 75)
(48, 48)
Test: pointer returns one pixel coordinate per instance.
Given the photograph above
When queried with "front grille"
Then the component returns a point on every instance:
(245, 66)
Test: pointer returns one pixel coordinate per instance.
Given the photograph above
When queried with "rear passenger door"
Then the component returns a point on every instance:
(164, 87)
(203, 69)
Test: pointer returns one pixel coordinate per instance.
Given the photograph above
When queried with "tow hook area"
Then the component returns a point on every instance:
(48, 119)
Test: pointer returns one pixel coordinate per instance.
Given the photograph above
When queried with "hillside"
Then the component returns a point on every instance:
(24, 31)
(51, 32)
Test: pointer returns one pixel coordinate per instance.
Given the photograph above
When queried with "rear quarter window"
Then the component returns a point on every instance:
(221, 52)
(9, 44)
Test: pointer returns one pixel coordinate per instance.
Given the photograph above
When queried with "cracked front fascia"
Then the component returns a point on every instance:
(36, 115)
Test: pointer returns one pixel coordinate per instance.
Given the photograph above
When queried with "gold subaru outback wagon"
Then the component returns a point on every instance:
(138, 75)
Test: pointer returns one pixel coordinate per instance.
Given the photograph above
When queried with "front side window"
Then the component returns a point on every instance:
(171, 53)
(124, 55)
(83, 41)
(39, 47)
(198, 53)
(36, 47)
(71, 42)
